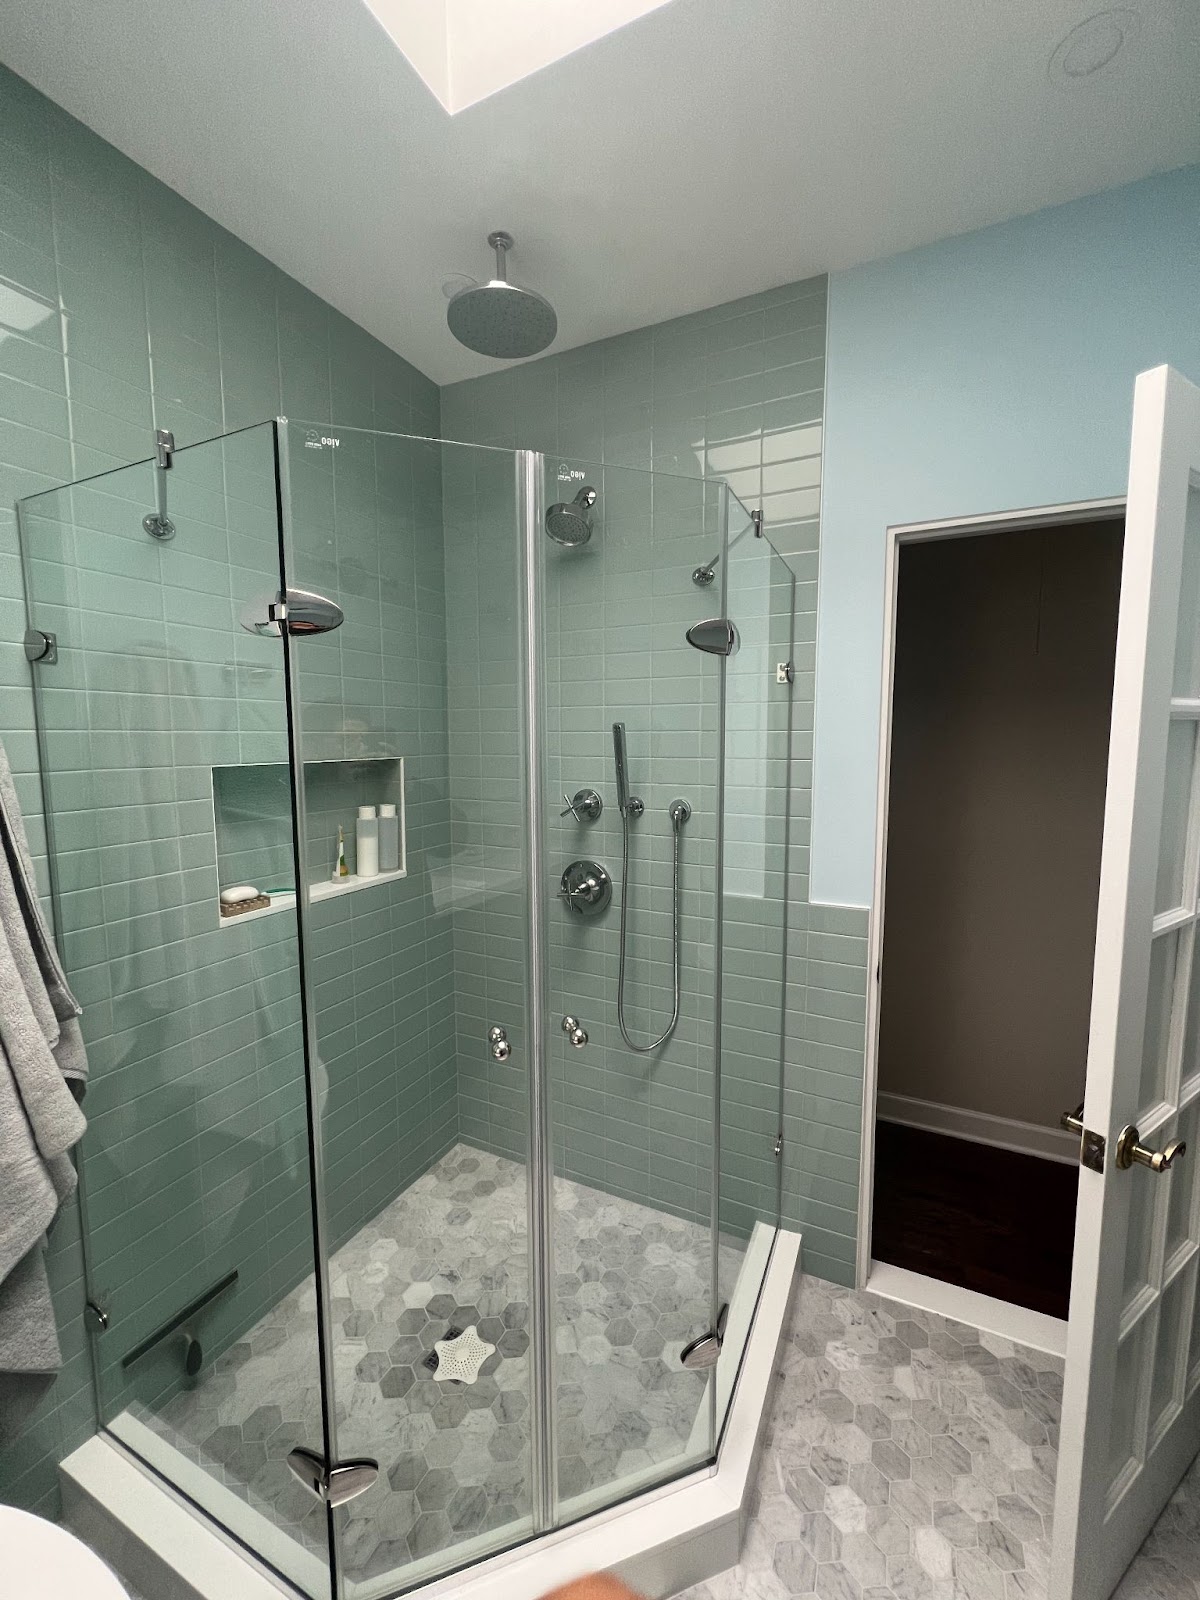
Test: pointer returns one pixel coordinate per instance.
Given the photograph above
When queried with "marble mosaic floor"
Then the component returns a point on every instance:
(908, 1457)
(450, 1253)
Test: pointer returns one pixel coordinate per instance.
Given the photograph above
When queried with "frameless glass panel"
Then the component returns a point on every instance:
(1177, 795)
(633, 1121)
(759, 600)
(195, 1166)
(417, 951)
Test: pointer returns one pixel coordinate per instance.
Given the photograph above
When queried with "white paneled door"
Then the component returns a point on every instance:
(1131, 1407)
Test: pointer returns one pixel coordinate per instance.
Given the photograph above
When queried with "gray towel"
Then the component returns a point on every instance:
(41, 1048)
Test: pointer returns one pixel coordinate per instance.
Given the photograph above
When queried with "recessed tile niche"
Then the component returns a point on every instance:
(252, 818)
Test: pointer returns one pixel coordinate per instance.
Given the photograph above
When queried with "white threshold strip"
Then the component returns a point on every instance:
(660, 1542)
(1022, 1326)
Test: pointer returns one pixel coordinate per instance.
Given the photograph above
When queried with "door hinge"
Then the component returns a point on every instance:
(778, 1144)
(1092, 1146)
(784, 672)
(41, 646)
(334, 1485)
(716, 636)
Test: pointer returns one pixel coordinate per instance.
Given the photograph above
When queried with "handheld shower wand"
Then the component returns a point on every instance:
(630, 806)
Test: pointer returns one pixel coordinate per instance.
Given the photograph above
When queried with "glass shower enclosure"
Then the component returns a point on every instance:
(431, 1177)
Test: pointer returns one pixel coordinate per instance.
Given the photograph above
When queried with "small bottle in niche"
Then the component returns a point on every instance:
(341, 870)
(389, 838)
(367, 842)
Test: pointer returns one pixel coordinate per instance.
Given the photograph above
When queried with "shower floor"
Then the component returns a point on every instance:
(632, 1286)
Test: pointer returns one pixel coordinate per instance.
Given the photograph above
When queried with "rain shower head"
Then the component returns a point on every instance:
(499, 318)
(569, 522)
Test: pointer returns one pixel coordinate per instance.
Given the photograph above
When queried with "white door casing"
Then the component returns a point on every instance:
(1131, 1406)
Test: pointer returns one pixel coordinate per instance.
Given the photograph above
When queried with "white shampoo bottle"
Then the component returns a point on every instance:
(366, 839)
(389, 838)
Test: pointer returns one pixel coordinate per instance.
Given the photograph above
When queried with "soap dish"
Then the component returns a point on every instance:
(258, 903)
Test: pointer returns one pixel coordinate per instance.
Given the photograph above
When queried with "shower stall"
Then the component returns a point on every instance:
(397, 1253)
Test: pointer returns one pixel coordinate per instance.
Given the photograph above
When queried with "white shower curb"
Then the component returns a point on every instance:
(660, 1542)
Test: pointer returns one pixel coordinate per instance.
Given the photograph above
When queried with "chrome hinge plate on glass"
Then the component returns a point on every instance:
(716, 636)
(1092, 1146)
(41, 647)
(778, 1144)
(705, 1350)
(96, 1316)
(334, 1485)
(784, 672)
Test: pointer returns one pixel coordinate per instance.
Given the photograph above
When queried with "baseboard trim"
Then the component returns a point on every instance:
(1005, 1133)
(982, 1311)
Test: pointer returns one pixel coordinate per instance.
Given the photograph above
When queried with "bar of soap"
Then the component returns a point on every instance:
(239, 892)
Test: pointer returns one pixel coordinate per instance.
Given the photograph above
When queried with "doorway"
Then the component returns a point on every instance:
(997, 704)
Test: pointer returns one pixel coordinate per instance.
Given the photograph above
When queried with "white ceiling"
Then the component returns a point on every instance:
(707, 150)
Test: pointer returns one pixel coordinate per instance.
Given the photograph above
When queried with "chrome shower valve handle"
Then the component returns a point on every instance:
(585, 807)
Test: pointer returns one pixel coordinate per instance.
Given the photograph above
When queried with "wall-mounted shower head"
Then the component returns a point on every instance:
(499, 318)
(569, 522)
(704, 575)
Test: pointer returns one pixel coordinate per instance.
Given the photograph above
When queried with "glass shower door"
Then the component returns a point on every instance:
(418, 969)
(633, 1120)
(195, 1175)
(759, 677)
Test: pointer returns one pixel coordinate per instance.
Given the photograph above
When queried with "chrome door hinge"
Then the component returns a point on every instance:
(41, 646)
(96, 1316)
(1092, 1146)
(784, 672)
(716, 636)
(334, 1485)
(778, 1144)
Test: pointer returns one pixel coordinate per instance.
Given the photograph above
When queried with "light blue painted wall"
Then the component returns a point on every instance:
(979, 374)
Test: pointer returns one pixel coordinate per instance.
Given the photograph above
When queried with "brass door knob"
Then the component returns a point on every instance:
(1130, 1149)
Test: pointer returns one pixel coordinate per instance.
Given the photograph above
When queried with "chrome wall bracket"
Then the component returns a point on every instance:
(157, 523)
(335, 1484)
(41, 647)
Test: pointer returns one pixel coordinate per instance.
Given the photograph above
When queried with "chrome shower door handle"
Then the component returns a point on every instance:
(498, 1044)
(576, 1035)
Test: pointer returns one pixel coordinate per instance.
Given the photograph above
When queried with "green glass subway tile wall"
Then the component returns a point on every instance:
(736, 391)
(126, 309)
